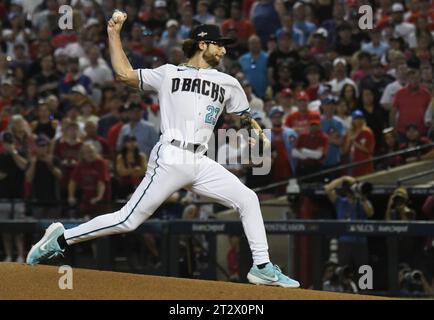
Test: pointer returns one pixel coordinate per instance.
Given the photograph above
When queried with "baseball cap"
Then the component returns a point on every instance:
(397, 7)
(357, 114)
(78, 88)
(7, 81)
(257, 115)
(209, 32)
(322, 32)
(91, 22)
(329, 100)
(160, 4)
(286, 92)
(339, 60)
(302, 95)
(274, 110)
(146, 32)
(172, 23)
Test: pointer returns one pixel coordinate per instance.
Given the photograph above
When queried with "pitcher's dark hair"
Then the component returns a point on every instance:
(190, 47)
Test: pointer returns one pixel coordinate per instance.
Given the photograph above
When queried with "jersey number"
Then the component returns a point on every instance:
(211, 116)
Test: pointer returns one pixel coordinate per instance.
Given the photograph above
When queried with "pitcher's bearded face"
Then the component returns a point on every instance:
(213, 54)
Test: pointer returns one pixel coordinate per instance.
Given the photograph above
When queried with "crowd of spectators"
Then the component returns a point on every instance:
(73, 140)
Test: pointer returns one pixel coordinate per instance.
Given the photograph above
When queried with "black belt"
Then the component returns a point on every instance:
(190, 146)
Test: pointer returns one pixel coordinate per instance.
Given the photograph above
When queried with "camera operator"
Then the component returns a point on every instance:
(351, 203)
(397, 208)
(413, 282)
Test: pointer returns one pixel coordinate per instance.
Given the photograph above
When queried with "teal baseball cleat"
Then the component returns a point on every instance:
(47, 247)
(271, 275)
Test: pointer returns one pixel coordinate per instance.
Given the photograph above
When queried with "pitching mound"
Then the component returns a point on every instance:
(19, 281)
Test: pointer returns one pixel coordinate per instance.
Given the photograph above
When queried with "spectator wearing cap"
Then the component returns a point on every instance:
(131, 167)
(74, 77)
(286, 100)
(203, 15)
(335, 131)
(243, 26)
(393, 87)
(413, 138)
(410, 105)
(319, 45)
(43, 176)
(170, 37)
(284, 54)
(265, 19)
(113, 133)
(377, 46)
(67, 148)
(90, 176)
(311, 149)
(254, 66)
(144, 131)
(48, 78)
(375, 116)
(390, 144)
(360, 144)
(283, 140)
(377, 79)
(340, 76)
(401, 28)
(44, 124)
(300, 21)
(150, 52)
(236, 49)
(289, 28)
(300, 120)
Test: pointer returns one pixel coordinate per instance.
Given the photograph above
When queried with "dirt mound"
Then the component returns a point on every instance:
(20, 281)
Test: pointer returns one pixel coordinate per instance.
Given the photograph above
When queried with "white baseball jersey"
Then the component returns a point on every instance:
(192, 99)
(190, 102)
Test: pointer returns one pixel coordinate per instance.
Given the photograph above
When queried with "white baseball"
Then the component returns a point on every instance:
(117, 16)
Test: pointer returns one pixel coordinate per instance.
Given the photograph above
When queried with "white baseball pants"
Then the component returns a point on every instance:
(171, 168)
